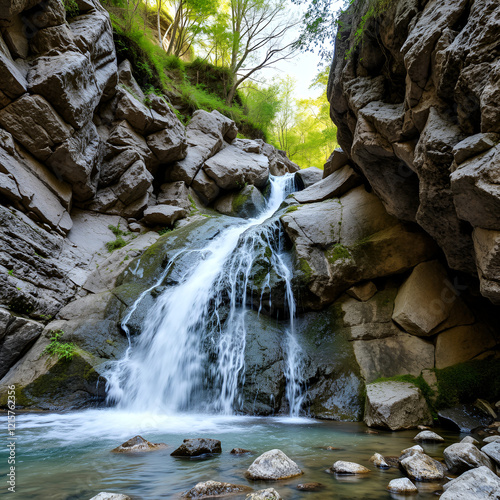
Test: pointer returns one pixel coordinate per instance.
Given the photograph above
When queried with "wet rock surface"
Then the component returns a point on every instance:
(217, 489)
(273, 465)
(138, 444)
(198, 447)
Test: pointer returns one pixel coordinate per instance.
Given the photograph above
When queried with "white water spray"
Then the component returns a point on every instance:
(170, 367)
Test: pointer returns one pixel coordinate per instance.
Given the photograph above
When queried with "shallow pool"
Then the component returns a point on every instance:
(67, 455)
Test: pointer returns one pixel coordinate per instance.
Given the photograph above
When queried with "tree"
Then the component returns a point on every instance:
(285, 118)
(262, 104)
(260, 37)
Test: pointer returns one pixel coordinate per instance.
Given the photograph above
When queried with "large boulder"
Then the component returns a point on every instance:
(306, 177)
(232, 168)
(340, 242)
(247, 203)
(420, 467)
(475, 484)
(460, 457)
(426, 300)
(273, 465)
(395, 406)
(163, 215)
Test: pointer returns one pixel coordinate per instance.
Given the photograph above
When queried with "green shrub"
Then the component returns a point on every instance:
(119, 242)
(64, 351)
(71, 8)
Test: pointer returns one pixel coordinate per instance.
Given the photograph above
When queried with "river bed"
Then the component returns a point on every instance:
(63, 456)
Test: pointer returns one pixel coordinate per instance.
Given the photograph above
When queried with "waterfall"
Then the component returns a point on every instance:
(190, 354)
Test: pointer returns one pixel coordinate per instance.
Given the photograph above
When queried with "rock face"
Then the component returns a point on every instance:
(475, 484)
(197, 447)
(273, 465)
(395, 405)
(415, 116)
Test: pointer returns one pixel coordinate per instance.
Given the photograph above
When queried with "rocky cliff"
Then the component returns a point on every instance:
(393, 248)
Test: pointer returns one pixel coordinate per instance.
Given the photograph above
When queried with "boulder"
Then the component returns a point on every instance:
(247, 203)
(232, 168)
(175, 194)
(267, 494)
(68, 82)
(13, 83)
(463, 418)
(476, 193)
(197, 447)
(41, 129)
(134, 183)
(215, 489)
(169, 144)
(420, 467)
(395, 405)
(163, 215)
(425, 301)
(402, 485)
(462, 343)
(428, 436)
(379, 461)
(470, 439)
(363, 291)
(487, 250)
(475, 484)
(341, 467)
(338, 243)
(205, 187)
(333, 186)
(273, 465)
(214, 123)
(306, 177)
(138, 444)
(112, 168)
(386, 118)
(491, 439)
(460, 457)
(336, 161)
(493, 451)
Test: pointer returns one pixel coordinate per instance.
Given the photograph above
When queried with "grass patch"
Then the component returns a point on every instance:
(118, 242)
(63, 350)
(163, 231)
(465, 382)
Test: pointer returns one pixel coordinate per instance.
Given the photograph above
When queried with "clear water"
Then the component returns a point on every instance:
(190, 354)
(67, 456)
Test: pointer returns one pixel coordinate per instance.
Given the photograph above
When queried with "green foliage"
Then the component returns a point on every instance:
(163, 231)
(119, 242)
(64, 351)
(465, 382)
(71, 7)
(11, 272)
(338, 252)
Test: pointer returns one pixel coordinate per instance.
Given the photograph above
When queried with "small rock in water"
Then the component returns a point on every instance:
(239, 451)
(402, 485)
(491, 439)
(379, 461)
(110, 496)
(310, 486)
(423, 428)
(267, 494)
(214, 488)
(371, 431)
(197, 447)
(470, 439)
(428, 436)
(138, 445)
(273, 465)
(341, 467)
(333, 448)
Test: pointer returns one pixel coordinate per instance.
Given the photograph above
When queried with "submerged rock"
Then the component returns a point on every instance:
(310, 486)
(110, 496)
(197, 447)
(273, 465)
(341, 467)
(267, 494)
(476, 484)
(240, 451)
(214, 489)
(138, 444)
(402, 485)
(395, 405)
(428, 436)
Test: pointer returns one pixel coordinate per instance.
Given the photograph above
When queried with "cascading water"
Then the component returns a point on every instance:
(190, 354)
